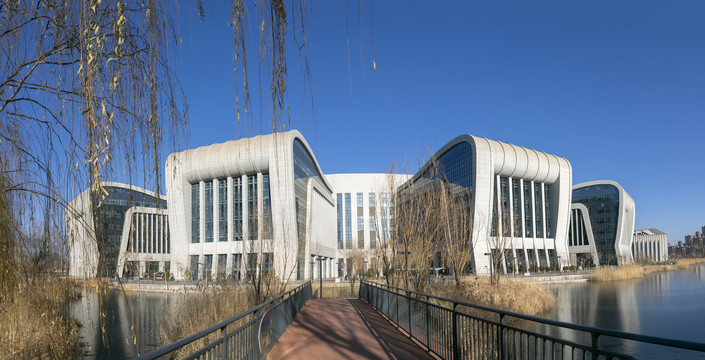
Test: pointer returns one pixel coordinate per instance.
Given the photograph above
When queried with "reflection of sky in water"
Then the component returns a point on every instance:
(147, 309)
(664, 304)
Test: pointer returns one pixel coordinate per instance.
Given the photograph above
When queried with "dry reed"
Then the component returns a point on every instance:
(35, 321)
(204, 310)
(523, 297)
(637, 271)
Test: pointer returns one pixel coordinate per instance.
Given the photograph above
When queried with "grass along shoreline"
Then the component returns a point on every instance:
(637, 271)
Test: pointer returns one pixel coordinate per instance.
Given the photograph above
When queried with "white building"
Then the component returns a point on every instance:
(363, 216)
(520, 200)
(260, 200)
(650, 245)
(126, 210)
(602, 224)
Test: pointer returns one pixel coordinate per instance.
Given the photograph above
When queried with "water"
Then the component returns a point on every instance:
(132, 322)
(663, 304)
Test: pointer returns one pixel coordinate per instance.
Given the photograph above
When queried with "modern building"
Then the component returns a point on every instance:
(519, 200)
(363, 217)
(97, 243)
(650, 245)
(256, 203)
(602, 224)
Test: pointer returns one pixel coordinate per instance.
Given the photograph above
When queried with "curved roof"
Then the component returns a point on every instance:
(123, 186)
(237, 157)
(508, 159)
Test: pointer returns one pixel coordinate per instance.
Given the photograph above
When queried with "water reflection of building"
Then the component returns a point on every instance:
(608, 212)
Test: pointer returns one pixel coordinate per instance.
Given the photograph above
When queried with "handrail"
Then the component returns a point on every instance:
(688, 345)
(221, 325)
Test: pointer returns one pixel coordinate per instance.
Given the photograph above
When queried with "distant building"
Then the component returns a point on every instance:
(127, 215)
(650, 245)
(602, 224)
(363, 216)
(693, 246)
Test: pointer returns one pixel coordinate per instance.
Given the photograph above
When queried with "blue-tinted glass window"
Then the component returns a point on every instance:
(209, 211)
(528, 214)
(252, 206)
(237, 209)
(547, 213)
(348, 222)
(223, 210)
(267, 202)
(516, 205)
(538, 208)
(339, 208)
(602, 202)
(195, 213)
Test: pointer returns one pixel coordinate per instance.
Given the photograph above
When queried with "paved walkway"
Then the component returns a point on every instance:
(343, 329)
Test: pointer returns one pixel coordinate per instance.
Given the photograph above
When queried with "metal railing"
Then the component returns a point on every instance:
(459, 330)
(244, 342)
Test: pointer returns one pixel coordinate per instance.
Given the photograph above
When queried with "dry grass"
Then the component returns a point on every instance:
(637, 271)
(202, 311)
(35, 321)
(523, 297)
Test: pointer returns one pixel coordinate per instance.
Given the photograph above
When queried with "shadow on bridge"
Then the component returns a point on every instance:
(343, 329)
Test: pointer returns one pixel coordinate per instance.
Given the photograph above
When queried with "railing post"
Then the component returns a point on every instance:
(500, 336)
(456, 346)
(408, 302)
(428, 326)
(595, 344)
(224, 345)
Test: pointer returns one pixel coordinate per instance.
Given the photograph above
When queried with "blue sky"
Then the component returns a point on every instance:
(617, 88)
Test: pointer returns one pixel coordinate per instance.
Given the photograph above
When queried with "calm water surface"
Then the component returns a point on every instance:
(664, 304)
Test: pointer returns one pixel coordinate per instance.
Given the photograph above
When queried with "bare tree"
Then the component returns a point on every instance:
(458, 245)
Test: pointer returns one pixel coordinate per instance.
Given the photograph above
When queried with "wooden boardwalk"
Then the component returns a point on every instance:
(343, 329)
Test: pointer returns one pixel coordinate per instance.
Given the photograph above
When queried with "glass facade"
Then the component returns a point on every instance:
(252, 207)
(602, 202)
(222, 210)
(237, 209)
(195, 213)
(237, 266)
(348, 222)
(304, 169)
(207, 266)
(110, 219)
(209, 211)
(527, 209)
(267, 202)
(339, 209)
(149, 233)
(516, 207)
(538, 208)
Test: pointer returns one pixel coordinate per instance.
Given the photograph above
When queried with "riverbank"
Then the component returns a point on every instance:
(638, 271)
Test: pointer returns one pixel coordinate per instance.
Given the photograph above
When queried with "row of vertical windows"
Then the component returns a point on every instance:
(149, 233)
(344, 218)
(237, 210)
(237, 265)
(536, 205)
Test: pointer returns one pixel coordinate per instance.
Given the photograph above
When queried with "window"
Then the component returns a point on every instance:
(339, 208)
(237, 263)
(194, 267)
(237, 209)
(268, 262)
(360, 230)
(538, 208)
(547, 206)
(223, 210)
(209, 211)
(359, 200)
(527, 209)
(504, 187)
(348, 222)
(372, 200)
(267, 227)
(252, 206)
(516, 206)
(222, 260)
(207, 266)
(195, 213)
